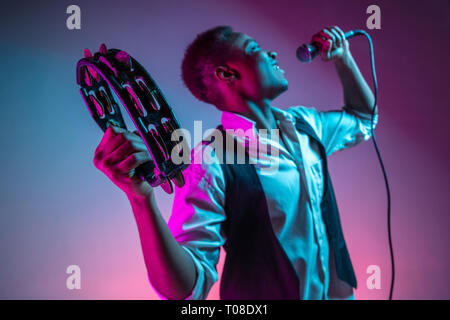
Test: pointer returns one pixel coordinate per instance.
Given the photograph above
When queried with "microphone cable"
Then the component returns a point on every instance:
(388, 192)
(306, 53)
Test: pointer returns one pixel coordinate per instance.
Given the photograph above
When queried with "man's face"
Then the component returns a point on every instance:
(259, 73)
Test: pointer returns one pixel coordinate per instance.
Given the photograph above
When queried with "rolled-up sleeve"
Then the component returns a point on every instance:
(197, 214)
(338, 129)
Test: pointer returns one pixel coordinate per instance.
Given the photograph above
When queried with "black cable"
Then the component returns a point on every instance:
(391, 251)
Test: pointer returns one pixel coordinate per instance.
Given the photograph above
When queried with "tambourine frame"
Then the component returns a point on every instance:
(102, 78)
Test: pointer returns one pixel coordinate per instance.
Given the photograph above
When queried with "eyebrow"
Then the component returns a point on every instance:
(247, 42)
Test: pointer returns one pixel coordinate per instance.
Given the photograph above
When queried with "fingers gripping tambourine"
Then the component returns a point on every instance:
(113, 73)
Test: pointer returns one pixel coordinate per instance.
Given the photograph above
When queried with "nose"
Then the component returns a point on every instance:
(273, 54)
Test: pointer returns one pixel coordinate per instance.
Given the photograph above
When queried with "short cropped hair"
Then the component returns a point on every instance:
(209, 50)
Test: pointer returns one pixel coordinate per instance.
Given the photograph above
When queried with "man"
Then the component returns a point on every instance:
(301, 252)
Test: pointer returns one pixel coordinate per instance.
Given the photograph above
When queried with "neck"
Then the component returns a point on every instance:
(261, 113)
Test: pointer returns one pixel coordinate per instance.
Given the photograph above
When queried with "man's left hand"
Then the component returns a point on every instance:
(331, 43)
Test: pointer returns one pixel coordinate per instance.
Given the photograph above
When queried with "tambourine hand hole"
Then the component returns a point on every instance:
(147, 93)
(104, 99)
(98, 106)
(160, 143)
(135, 100)
(166, 125)
(155, 100)
(152, 102)
(173, 136)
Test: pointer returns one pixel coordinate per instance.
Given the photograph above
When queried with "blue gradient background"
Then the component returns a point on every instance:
(58, 210)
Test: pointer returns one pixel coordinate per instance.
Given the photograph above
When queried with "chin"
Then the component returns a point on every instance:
(285, 85)
(279, 89)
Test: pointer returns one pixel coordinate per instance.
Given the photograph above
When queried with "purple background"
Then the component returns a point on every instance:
(58, 210)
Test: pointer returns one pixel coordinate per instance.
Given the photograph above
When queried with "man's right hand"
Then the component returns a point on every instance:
(119, 153)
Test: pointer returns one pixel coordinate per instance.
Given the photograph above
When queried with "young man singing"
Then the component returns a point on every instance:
(280, 228)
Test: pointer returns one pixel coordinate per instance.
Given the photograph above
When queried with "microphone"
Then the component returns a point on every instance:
(307, 52)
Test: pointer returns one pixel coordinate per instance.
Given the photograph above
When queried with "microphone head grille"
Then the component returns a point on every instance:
(306, 53)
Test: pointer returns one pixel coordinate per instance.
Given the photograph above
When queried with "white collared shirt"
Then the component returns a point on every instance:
(293, 192)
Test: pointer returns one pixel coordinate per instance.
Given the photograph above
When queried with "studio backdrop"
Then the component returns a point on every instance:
(57, 210)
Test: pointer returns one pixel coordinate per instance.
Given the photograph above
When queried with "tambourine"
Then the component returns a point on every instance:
(110, 77)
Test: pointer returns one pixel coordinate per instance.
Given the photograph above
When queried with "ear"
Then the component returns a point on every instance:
(226, 74)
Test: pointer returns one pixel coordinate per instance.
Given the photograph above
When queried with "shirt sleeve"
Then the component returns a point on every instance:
(338, 129)
(197, 214)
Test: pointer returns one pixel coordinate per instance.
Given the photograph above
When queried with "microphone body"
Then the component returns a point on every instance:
(307, 52)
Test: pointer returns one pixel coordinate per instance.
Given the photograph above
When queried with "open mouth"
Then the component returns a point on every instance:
(277, 67)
